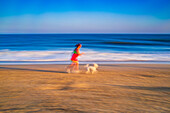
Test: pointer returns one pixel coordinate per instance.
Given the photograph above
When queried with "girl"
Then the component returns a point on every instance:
(74, 59)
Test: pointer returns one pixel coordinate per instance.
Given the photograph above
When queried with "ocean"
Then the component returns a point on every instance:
(101, 48)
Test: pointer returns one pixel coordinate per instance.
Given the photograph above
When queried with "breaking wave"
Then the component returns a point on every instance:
(90, 55)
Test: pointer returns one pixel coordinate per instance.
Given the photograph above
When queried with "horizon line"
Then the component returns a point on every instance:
(82, 33)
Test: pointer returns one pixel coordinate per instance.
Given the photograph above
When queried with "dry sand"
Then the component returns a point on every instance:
(128, 88)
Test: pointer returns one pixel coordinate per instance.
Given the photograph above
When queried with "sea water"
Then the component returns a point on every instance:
(101, 48)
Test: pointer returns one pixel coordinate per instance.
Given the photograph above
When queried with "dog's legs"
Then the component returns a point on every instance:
(88, 70)
(95, 71)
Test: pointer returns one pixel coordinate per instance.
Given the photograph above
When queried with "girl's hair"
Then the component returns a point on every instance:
(77, 45)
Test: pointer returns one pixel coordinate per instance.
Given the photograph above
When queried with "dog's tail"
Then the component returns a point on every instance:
(95, 65)
(87, 65)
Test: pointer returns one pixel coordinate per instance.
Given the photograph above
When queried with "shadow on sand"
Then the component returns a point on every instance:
(32, 70)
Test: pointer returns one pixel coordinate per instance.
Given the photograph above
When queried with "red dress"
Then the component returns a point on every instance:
(75, 55)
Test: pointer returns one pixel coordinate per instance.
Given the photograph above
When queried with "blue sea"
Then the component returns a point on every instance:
(101, 48)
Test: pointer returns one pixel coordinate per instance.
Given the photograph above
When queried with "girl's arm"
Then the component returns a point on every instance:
(78, 52)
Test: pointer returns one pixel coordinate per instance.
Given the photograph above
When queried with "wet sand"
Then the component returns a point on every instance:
(131, 88)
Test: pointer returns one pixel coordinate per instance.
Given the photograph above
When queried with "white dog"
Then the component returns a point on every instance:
(91, 69)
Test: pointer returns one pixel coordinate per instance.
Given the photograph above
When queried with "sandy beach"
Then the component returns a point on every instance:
(128, 88)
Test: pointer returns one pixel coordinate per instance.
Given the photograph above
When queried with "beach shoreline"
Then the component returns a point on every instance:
(47, 88)
(82, 62)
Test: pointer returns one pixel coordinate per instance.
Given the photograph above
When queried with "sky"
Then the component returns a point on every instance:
(84, 16)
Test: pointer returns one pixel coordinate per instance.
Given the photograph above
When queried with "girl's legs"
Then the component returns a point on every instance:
(69, 66)
(73, 66)
(77, 66)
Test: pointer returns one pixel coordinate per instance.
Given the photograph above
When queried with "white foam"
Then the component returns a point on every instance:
(90, 55)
